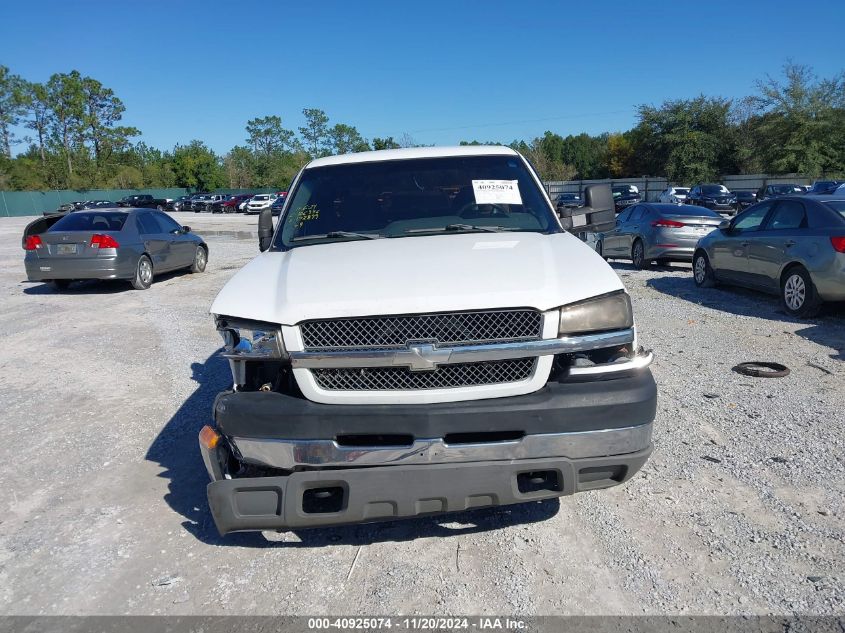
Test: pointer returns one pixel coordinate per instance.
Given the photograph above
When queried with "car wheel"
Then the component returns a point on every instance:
(798, 293)
(200, 260)
(143, 274)
(638, 255)
(701, 271)
(60, 284)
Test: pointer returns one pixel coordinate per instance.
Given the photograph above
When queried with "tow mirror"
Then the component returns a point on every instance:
(597, 214)
(265, 229)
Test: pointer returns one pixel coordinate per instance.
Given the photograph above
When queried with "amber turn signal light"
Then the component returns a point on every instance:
(209, 437)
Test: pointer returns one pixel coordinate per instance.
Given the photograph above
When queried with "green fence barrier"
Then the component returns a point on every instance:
(20, 203)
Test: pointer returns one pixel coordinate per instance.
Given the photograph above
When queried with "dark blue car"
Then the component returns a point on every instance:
(277, 205)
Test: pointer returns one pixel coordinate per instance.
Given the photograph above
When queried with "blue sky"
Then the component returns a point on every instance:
(438, 71)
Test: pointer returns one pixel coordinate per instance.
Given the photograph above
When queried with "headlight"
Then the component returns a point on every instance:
(251, 340)
(607, 312)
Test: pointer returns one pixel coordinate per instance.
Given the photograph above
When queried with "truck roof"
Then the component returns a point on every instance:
(413, 152)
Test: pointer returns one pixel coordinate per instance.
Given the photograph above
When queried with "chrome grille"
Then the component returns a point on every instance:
(395, 332)
(444, 377)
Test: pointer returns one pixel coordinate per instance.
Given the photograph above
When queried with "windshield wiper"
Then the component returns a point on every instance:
(472, 227)
(333, 234)
(460, 227)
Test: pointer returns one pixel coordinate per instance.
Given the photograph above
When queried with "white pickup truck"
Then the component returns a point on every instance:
(420, 335)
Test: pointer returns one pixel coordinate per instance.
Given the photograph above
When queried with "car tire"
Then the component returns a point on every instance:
(638, 255)
(702, 273)
(798, 293)
(60, 284)
(143, 278)
(200, 260)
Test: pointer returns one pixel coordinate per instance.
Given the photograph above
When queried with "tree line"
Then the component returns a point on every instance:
(74, 140)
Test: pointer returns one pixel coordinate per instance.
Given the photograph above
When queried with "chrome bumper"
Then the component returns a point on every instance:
(461, 354)
(291, 454)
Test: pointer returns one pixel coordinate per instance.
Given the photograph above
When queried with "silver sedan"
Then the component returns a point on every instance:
(652, 231)
(791, 246)
(132, 244)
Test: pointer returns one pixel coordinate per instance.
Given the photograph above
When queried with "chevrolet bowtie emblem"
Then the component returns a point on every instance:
(421, 357)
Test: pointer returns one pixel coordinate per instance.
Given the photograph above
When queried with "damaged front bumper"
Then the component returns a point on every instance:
(359, 495)
(340, 464)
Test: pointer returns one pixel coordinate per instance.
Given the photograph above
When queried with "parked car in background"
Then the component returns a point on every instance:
(216, 205)
(673, 195)
(142, 201)
(70, 206)
(206, 205)
(194, 200)
(278, 204)
(230, 203)
(659, 231)
(198, 202)
(624, 196)
(178, 203)
(793, 246)
(259, 202)
(824, 187)
(777, 190)
(242, 206)
(133, 244)
(744, 199)
(571, 200)
(714, 197)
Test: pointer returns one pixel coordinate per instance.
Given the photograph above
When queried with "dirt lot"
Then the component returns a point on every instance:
(740, 510)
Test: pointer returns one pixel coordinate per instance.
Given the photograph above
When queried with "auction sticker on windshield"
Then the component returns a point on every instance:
(496, 192)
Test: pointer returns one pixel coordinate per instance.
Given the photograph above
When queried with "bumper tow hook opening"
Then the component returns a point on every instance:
(536, 481)
(322, 500)
(762, 369)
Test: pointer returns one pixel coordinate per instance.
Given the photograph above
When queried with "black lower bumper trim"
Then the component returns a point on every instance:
(360, 495)
(556, 408)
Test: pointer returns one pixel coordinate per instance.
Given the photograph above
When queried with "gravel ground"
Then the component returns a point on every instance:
(739, 511)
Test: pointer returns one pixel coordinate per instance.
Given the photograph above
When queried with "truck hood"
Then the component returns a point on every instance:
(439, 273)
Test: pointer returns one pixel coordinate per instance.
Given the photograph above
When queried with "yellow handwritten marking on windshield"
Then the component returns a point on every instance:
(306, 213)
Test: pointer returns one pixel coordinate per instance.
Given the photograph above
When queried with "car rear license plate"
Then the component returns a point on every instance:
(66, 249)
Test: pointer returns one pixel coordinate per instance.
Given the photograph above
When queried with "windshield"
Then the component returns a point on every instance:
(785, 189)
(260, 198)
(682, 192)
(686, 209)
(90, 222)
(402, 198)
(622, 191)
(714, 190)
